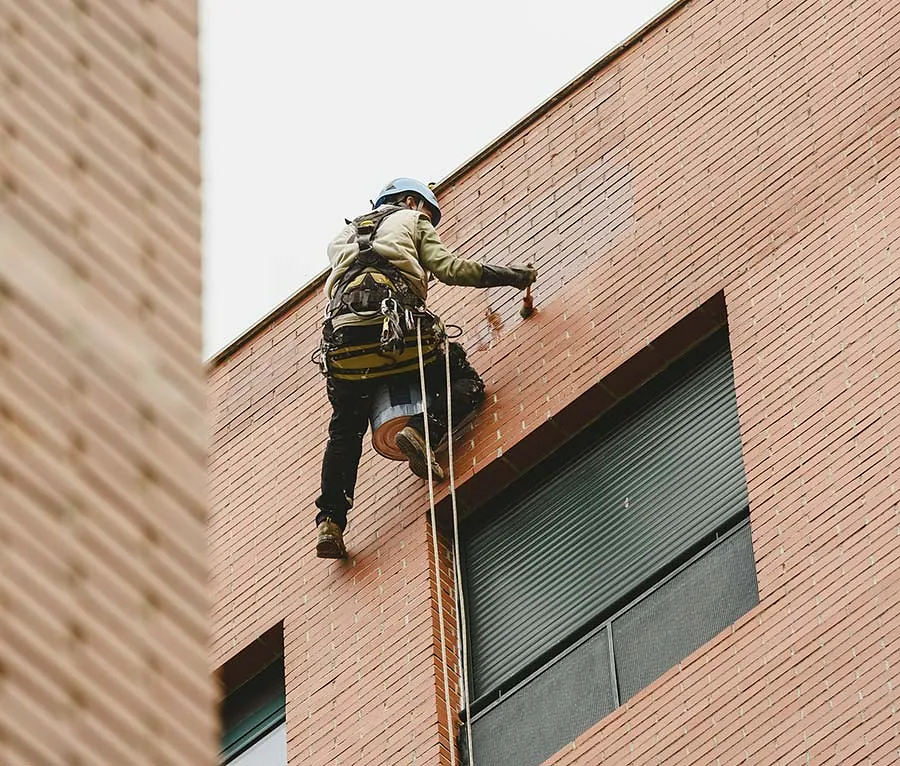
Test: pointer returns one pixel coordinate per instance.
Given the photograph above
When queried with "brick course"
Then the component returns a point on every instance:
(103, 575)
(746, 149)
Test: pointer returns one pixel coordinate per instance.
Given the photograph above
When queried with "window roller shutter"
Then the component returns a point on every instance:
(646, 490)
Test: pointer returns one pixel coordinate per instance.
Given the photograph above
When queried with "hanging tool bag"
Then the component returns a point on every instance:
(376, 290)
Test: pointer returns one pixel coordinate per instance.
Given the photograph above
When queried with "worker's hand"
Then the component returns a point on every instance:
(514, 276)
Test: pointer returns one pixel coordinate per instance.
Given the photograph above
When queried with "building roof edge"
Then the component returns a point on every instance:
(285, 306)
(560, 94)
(257, 327)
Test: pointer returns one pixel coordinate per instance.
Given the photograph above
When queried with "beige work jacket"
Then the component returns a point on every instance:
(408, 241)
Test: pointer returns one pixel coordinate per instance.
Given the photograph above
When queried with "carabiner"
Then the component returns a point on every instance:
(388, 306)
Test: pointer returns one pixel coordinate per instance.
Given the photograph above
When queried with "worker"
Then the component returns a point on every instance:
(380, 266)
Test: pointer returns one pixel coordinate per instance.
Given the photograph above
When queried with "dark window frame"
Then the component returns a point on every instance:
(731, 525)
(253, 699)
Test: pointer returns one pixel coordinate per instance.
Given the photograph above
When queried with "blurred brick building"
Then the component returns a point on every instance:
(679, 532)
(103, 578)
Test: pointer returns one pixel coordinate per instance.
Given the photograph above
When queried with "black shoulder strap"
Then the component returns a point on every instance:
(366, 226)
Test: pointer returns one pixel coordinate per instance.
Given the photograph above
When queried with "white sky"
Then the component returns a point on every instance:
(309, 108)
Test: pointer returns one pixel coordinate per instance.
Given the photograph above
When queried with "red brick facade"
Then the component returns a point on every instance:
(103, 582)
(750, 149)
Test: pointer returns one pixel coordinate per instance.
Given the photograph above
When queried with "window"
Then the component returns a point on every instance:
(253, 704)
(271, 750)
(609, 563)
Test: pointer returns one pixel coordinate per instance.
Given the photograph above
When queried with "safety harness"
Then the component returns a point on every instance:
(370, 287)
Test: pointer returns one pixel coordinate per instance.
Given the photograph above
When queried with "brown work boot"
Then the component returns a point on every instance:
(412, 444)
(330, 541)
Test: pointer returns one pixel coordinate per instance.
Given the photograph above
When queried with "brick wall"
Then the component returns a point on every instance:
(103, 575)
(746, 148)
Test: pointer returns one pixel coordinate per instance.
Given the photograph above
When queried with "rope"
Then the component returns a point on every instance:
(434, 540)
(457, 570)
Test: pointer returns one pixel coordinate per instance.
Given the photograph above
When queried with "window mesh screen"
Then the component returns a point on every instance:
(626, 503)
(645, 485)
(684, 613)
(537, 719)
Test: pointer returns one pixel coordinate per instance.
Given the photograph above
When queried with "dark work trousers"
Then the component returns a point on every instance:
(351, 403)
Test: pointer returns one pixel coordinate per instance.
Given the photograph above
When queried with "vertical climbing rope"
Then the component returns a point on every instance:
(434, 540)
(461, 625)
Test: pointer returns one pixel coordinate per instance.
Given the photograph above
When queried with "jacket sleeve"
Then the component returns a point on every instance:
(342, 250)
(437, 258)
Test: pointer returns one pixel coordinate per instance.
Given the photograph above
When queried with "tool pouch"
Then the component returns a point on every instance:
(357, 353)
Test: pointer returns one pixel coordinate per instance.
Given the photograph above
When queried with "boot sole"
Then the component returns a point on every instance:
(417, 461)
(330, 548)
